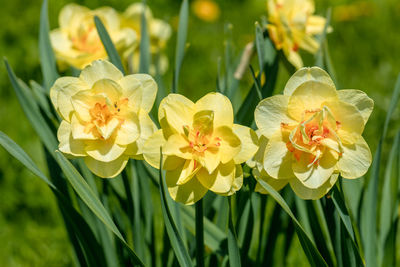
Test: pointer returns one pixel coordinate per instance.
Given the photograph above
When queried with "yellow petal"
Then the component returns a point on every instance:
(100, 69)
(104, 150)
(177, 145)
(249, 143)
(309, 44)
(271, 113)
(67, 12)
(149, 90)
(189, 169)
(68, 144)
(108, 89)
(315, 25)
(307, 74)
(108, 129)
(188, 193)
(277, 184)
(237, 181)
(83, 101)
(175, 111)
(349, 118)
(294, 58)
(109, 17)
(355, 160)
(221, 180)
(230, 144)
(220, 105)
(359, 99)
(106, 169)
(79, 130)
(313, 193)
(61, 92)
(132, 89)
(129, 130)
(147, 128)
(211, 160)
(310, 95)
(151, 151)
(314, 176)
(172, 162)
(277, 158)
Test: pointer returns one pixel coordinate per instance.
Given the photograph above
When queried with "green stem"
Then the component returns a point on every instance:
(199, 234)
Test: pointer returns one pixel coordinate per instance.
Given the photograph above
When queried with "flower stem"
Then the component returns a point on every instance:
(199, 234)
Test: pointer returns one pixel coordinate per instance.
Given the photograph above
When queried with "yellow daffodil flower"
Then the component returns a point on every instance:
(312, 133)
(76, 41)
(159, 33)
(104, 116)
(292, 26)
(202, 147)
(206, 10)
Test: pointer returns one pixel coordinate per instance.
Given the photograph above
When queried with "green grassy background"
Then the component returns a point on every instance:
(364, 48)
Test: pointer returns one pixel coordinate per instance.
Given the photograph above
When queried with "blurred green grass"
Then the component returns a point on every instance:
(364, 48)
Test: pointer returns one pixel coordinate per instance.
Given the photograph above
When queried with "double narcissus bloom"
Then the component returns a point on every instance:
(312, 133)
(104, 116)
(159, 33)
(292, 26)
(76, 41)
(202, 147)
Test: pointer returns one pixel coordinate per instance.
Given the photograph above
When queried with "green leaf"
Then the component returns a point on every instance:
(319, 56)
(47, 59)
(260, 47)
(32, 112)
(180, 43)
(199, 233)
(89, 197)
(145, 57)
(108, 44)
(18, 153)
(312, 253)
(233, 247)
(173, 233)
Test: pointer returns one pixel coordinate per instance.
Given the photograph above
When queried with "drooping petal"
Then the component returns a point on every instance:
(307, 74)
(314, 176)
(104, 150)
(188, 193)
(98, 70)
(313, 193)
(221, 180)
(277, 158)
(359, 99)
(220, 105)
(67, 143)
(106, 169)
(151, 151)
(355, 160)
(270, 113)
(249, 143)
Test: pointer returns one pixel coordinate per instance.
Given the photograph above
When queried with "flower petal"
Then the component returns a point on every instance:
(151, 151)
(108, 89)
(313, 193)
(106, 169)
(355, 160)
(277, 184)
(149, 90)
(67, 143)
(104, 150)
(359, 99)
(129, 131)
(219, 181)
(67, 12)
(100, 69)
(79, 130)
(249, 143)
(177, 145)
(220, 105)
(307, 74)
(230, 144)
(237, 181)
(270, 113)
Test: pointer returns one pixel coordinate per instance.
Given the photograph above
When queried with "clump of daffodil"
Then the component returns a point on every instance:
(292, 26)
(312, 133)
(159, 33)
(76, 42)
(104, 115)
(202, 147)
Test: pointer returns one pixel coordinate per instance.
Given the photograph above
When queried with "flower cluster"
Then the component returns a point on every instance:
(76, 42)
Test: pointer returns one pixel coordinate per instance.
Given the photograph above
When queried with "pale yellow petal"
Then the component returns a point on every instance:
(230, 144)
(221, 180)
(355, 160)
(151, 151)
(108, 89)
(129, 131)
(309, 44)
(108, 129)
(277, 158)
(188, 193)
(149, 90)
(147, 128)
(177, 145)
(220, 105)
(237, 181)
(277, 184)
(307, 74)
(249, 143)
(80, 130)
(271, 113)
(100, 69)
(83, 101)
(359, 99)
(294, 58)
(67, 13)
(211, 160)
(132, 89)
(314, 176)
(315, 25)
(189, 169)
(104, 150)
(313, 193)
(106, 169)
(171, 163)
(68, 144)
